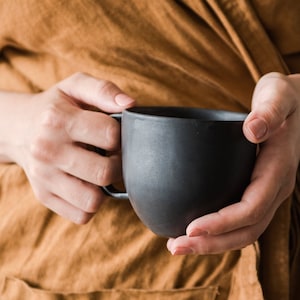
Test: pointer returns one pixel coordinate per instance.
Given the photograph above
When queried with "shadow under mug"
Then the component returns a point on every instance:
(181, 163)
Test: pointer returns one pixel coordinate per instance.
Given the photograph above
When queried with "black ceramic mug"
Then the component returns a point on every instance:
(182, 163)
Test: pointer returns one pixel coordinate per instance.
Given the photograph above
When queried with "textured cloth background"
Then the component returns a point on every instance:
(190, 53)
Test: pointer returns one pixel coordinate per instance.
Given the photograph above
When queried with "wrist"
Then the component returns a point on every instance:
(13, 125)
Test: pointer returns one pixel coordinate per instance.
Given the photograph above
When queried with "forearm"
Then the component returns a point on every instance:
(12, 111)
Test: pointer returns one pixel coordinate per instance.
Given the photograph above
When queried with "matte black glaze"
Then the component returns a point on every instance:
(182, 163)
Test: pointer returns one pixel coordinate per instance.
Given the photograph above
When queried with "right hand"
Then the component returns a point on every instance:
(58, 125)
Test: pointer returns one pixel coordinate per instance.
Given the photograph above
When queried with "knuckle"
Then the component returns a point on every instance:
(276, 112)
(112, 136)
(106, 87)
(104, 173)
(271, 92)
(92, 201)
(42, 149)
(51, 118)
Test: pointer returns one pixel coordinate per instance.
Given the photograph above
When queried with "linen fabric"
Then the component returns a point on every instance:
(205, 54)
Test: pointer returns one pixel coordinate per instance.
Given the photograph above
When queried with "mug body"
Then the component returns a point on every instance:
(182, 163)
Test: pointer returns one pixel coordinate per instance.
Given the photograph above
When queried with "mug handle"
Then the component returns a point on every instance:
(110, 190)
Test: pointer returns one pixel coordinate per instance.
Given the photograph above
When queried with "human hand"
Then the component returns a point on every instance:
(274, 122)
(58, 126)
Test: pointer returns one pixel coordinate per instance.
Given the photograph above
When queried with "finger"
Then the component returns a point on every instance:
(272, 181)
(90, 166)
(257, 201)
(214, 244)
(80, 194)
(211, 244)
(274, 100)
(99, 93)
(94, 128)
(66, 210)
(79, 162)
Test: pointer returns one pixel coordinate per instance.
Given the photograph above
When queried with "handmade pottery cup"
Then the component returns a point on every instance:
(182, 163)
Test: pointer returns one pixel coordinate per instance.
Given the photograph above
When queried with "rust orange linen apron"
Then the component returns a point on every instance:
(191, 52)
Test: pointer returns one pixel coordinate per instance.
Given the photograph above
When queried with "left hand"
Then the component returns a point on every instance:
(274, 122)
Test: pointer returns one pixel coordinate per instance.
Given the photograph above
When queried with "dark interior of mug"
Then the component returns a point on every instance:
(189, 113)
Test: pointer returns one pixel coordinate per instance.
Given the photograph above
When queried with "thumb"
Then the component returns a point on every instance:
(274, 100)
(99, 93)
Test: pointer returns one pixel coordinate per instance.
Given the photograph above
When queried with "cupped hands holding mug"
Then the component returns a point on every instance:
(48, 133)
(274, 122)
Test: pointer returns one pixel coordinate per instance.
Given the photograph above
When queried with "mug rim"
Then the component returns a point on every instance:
(186, 113)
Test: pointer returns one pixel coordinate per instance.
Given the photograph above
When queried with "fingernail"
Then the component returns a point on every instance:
(182, 251)
(123, 100)
(258, 128)
(197, 232)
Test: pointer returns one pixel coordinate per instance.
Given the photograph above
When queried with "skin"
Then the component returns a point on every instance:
(274, 122)
(49, 143)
